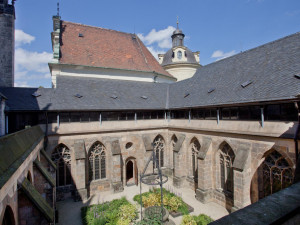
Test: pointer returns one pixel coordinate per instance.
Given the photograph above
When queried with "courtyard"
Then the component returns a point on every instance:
(70, 211)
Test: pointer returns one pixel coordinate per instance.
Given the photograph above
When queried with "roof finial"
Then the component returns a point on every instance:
(58, 8)
(177, 22)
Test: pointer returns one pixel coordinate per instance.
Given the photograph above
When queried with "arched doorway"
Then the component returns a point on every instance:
(131, 172)
(8, 218)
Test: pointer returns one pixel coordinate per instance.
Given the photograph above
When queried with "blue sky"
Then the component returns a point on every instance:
(216, 28)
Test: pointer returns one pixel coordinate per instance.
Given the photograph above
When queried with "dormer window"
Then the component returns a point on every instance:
(179, 54)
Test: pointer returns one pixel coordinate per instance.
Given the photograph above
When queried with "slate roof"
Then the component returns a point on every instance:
(96, 95)
(109, 49)
(16, 147)
(271, 68)
(167, 60)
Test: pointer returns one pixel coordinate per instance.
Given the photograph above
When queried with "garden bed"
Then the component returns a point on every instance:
(173, 203)
(116, 212)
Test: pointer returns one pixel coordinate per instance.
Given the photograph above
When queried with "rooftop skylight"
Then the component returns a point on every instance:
(144, 97)
(245, 84)
(186, 94)
(297, 75)
(78, 96)
(36, 94)
(114, 96)
(210, 90)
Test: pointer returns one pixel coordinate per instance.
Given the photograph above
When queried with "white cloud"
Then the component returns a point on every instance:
(161, 37)
(155, 52)
(21, 84)
(22, 38)
(32, 61)
(221, 55)
(31, 67)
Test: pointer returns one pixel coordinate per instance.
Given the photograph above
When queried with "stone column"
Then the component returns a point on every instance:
(80, 170)
(116, 180)
(204, 190)
(179, 173)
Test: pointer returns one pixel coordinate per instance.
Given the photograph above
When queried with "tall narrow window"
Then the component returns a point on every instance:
(277, 173)
(173, 143)
(97, 167)
(159, 146)
(195, 147)
(61, 156)
(226, 172)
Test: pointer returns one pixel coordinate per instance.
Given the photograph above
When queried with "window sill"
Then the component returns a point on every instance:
(98, 181)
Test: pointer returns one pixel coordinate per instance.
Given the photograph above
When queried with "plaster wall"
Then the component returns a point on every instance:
(106, 73)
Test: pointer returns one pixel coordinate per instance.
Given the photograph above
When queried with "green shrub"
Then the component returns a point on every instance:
(201, 219)
(118, 211)
(170, 200)
(188, 220)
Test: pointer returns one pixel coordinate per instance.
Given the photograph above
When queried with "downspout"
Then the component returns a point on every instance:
(297, 170)
(297, 105)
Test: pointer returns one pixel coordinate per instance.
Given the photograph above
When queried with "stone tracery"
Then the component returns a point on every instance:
(97, 162)
(61, 156)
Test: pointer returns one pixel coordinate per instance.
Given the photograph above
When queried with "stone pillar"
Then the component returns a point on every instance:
(116, 174)
(204, 190)
(80, 177)
(116, 180)
(179, 173)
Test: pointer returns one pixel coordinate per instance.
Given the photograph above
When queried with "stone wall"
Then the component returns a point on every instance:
(7, 43)
(248, 140)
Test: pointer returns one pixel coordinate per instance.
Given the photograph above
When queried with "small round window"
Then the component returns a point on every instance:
(128, 145)
(179, 54)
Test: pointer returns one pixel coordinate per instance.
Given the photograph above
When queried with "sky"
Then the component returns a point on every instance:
(216, 28)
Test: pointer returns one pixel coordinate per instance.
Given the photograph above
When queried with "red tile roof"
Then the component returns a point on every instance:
(101, 47)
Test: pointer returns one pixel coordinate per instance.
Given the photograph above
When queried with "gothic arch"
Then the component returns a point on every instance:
(275, 173)
(224, 168)
(194, 149)
(8, 218)
(97, 155)
(61, 156)
(174, 154)
(160, 149)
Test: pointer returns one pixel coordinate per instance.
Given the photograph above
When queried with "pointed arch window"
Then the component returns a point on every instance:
(195, 148)
(159, 147)
(277, 173)
(226, 155)
(173, 143)
(61, 156)
(97, 162)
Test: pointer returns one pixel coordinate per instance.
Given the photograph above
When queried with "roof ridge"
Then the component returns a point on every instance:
(97, 27)
(255, 48)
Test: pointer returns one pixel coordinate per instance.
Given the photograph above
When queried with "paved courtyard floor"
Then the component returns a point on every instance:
(70, 213)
